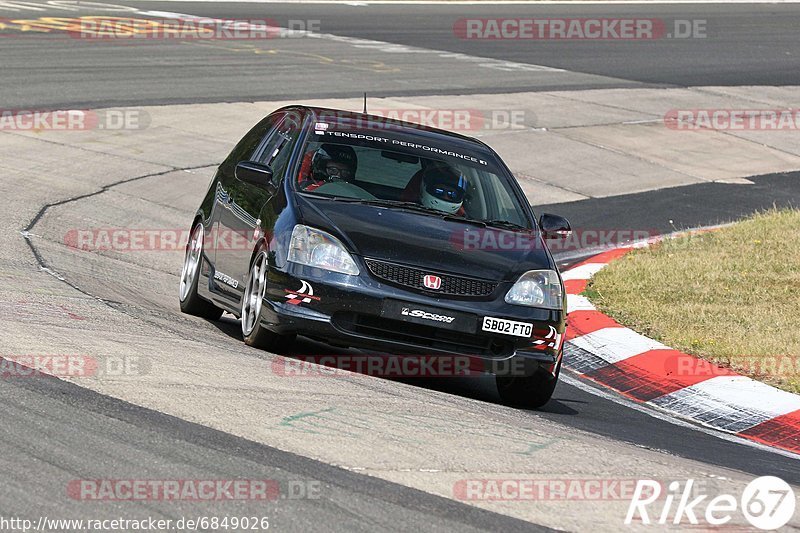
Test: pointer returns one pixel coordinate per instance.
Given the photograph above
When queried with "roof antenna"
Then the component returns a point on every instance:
(365, 103)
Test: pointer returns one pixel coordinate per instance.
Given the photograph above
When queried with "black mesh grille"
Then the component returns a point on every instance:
(413, 278)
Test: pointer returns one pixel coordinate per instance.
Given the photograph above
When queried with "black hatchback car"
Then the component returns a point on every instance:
(381, 235)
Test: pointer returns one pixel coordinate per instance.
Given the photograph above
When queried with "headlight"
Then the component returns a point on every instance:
(537, 288)
(316, 248)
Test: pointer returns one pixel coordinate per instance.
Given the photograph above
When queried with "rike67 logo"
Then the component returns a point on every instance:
(767, 503)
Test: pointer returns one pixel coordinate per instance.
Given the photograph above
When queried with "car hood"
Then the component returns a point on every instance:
(429, 242)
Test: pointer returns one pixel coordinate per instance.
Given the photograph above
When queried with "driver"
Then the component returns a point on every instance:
(330, 162)
(443, 189)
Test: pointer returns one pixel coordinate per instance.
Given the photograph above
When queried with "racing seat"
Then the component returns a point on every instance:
(304, 180)
(411, 191)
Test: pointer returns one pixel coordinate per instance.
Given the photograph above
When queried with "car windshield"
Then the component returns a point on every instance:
(395, 171)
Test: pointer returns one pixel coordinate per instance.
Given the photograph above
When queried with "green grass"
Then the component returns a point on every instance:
(731, 296)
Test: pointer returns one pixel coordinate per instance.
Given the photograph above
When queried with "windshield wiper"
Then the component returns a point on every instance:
(413, 206)
(456, 218)
(505, 224)
(385, 203)
(337, 198)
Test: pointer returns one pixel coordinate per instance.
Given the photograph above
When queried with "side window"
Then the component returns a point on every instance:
(502, 204)
(277, 151)
(267, 141)
(250, 142)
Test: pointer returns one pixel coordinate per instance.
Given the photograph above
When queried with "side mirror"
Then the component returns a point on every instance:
(255, 174)
(554, 226)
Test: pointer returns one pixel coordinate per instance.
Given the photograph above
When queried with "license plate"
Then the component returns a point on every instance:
(507, 327)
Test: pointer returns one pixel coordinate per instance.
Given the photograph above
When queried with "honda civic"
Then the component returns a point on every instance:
(384, 236)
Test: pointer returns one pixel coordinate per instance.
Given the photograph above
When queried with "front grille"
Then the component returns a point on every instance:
(423, 336)
(413, 278)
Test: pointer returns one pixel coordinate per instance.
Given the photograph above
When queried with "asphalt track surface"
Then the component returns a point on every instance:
(665, 211)
(54, 429)
(744, 45)
(46, 421)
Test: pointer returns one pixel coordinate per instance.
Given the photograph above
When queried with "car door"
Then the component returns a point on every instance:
(284, 159)
(244, 205)
(224, 213)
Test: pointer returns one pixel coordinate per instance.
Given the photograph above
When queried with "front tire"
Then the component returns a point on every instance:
(191, 302)
(530, 392)
(253, 332)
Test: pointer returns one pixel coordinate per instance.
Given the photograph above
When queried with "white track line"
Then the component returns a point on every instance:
(383, 46)
(585, 271)
(576, 302)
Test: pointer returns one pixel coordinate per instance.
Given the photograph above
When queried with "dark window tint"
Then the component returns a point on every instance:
(247, 147)
(277, 150)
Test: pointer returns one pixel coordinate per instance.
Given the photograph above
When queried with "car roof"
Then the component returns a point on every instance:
(366, 121)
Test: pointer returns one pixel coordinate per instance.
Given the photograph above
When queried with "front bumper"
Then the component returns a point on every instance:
(351, 311)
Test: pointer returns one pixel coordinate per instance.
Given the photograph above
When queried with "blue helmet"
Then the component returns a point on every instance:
(443, 188)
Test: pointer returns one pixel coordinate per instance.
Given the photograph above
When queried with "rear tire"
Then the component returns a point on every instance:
(530, 392)
(191, 302)
(253, 332)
